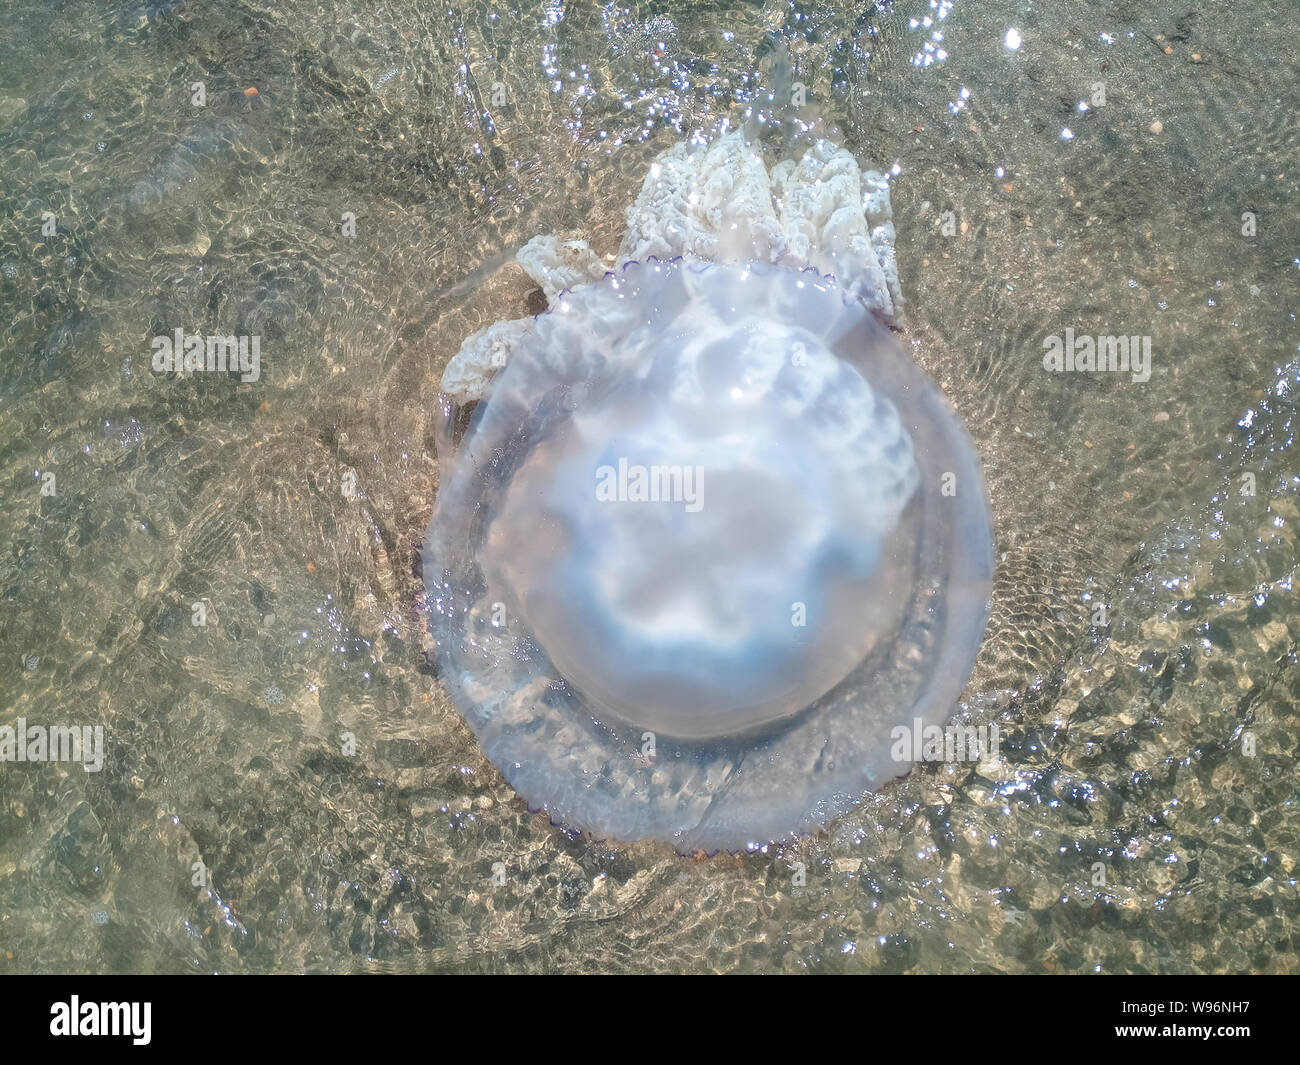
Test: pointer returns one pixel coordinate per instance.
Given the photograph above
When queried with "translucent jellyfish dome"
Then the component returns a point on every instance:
(709, 538)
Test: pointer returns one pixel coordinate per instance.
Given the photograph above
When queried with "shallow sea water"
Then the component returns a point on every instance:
(1124, 826)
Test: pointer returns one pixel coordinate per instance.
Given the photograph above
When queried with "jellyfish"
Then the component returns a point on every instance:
(709, 537)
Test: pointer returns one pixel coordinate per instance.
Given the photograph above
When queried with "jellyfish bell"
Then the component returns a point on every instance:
(727, 580)
(708, 540)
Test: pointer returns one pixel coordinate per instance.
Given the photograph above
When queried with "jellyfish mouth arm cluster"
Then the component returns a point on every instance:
(720, 203)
